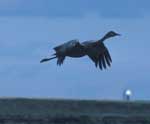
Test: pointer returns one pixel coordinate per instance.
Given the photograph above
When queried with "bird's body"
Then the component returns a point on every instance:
(71, 48)
(95, 49)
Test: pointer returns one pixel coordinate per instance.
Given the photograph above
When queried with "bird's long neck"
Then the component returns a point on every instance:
(103, 38)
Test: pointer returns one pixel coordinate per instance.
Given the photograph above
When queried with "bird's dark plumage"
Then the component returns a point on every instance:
(96, 50)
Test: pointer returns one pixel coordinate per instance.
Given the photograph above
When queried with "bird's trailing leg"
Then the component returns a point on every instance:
(47, 59)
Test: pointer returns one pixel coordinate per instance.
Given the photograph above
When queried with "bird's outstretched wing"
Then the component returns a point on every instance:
(99, 54)
(60, 60)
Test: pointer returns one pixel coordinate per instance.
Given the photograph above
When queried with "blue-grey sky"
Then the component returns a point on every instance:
(29, 29)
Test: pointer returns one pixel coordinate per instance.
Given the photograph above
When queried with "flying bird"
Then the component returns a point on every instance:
(94, 49)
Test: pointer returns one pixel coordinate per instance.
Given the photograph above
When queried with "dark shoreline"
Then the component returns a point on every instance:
(62, 111)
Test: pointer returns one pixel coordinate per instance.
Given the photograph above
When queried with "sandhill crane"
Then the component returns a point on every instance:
(95, 49)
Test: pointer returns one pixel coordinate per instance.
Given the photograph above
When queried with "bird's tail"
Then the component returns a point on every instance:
(47, 59)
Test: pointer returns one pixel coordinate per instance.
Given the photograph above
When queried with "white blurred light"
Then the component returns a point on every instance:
(127, 94)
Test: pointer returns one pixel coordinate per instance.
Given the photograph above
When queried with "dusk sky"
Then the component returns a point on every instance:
(29, 29)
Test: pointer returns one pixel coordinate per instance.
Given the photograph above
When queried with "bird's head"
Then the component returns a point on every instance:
(111, 34)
